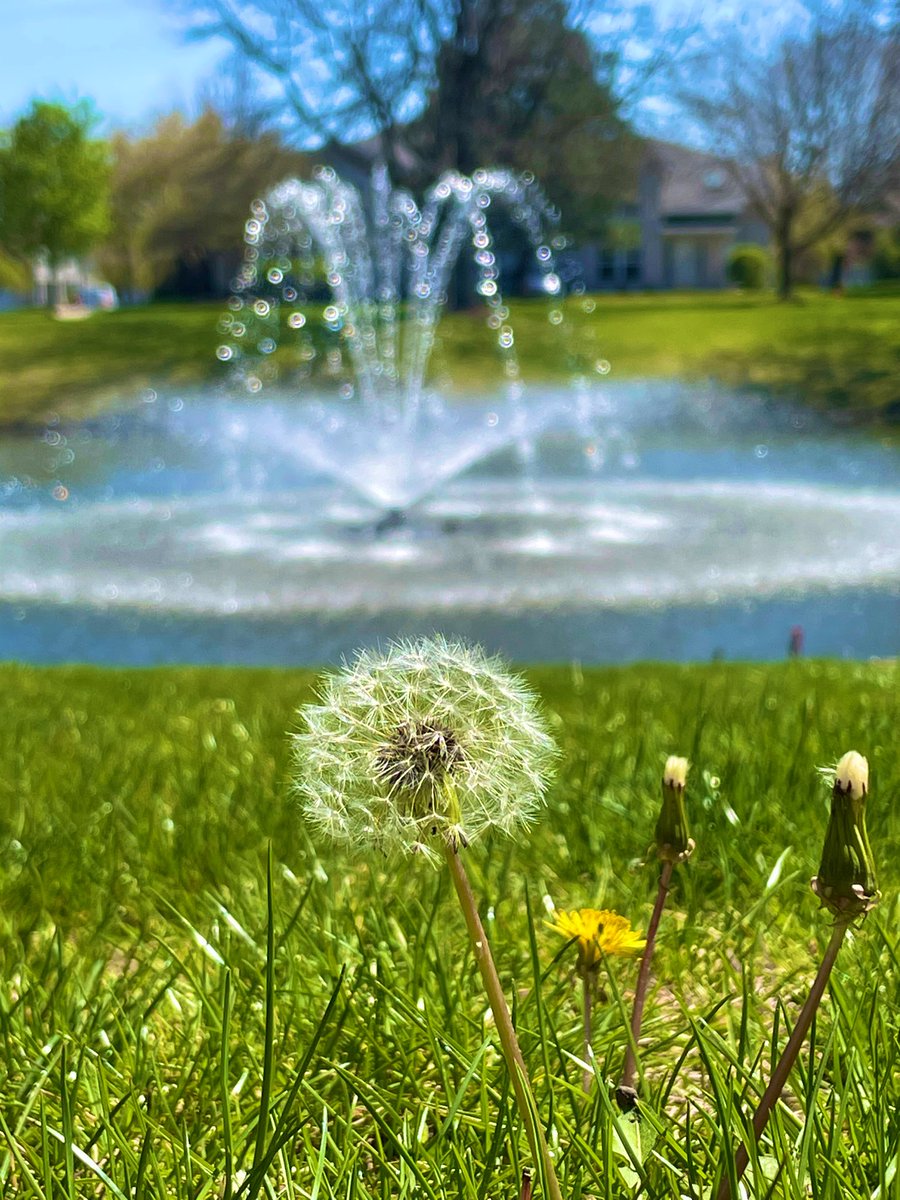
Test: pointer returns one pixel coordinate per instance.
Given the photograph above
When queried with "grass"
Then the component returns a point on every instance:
(167, 1022)
(839, 354)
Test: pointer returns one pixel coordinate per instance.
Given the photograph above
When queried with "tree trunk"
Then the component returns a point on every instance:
(836, 274)
(53, 297)
(785, 253)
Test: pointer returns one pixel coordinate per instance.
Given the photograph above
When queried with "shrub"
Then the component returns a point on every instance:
(886, 259)
(748, 266)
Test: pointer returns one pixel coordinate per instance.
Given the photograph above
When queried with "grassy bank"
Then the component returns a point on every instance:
(135, 811)
(839, 354)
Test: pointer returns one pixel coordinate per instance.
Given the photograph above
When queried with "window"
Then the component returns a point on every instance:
(606, 267)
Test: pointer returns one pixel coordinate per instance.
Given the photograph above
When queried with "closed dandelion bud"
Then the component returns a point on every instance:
(846, 880)
(430, 742)
(673, 841)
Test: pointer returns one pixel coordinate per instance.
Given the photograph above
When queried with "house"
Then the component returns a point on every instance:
(687, 214)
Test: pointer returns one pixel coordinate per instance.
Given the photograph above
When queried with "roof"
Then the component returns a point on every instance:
(369, 152)
(692, 182)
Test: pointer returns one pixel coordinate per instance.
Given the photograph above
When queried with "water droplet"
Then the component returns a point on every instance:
(551, 283)
(761, 451)
(602, 366)
(262, 308)
(555, 317)
(275, 275)
(267, 345)
(296, 320)
(543, 253)
(589, 306)
(492, 419)
(330, 313)
(224, 353)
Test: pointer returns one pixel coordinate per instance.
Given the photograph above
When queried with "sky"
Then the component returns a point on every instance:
(128, 56)
(132, 60)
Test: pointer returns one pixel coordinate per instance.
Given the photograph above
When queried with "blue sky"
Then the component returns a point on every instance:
(128, 56)
(131, 58)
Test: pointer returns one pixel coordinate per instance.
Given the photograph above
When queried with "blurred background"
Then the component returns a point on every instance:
(577, 334)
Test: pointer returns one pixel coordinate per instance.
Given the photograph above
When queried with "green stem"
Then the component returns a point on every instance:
(788, 1058)
(502, 1020)
(587, 995)
(625, 1093)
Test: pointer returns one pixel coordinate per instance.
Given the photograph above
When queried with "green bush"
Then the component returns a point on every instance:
(748, 266)
(886, 260)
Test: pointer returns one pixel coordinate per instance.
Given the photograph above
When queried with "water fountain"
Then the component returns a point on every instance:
(338, 495)
(388, 434)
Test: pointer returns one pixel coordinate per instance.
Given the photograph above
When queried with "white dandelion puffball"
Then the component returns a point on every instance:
(430, 739)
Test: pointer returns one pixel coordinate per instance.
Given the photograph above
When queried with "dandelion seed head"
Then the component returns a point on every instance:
(427, 739)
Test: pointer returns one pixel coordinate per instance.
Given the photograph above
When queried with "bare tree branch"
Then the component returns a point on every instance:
(811, 130)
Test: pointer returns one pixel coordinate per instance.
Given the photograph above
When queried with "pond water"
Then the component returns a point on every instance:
(700, 523)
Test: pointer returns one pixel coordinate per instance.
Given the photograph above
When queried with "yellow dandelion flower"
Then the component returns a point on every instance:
(599, 931)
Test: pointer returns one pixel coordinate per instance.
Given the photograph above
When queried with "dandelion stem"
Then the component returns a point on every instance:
(587, 994)
(788, 1058)
(502, 1020)
(626, 1095)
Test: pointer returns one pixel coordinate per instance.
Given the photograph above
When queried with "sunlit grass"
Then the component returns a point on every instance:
(837, 353)
(140, 972)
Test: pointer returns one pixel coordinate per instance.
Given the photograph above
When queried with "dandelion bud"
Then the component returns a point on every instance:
(673, 840)
(846, 879)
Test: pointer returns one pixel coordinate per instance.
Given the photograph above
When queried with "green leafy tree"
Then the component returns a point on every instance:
(516, 83)
(182, 194)
(543, 85)
(54, 184)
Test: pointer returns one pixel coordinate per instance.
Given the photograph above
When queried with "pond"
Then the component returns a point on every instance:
(699, 523)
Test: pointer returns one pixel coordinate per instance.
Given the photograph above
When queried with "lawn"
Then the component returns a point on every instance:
(135, 813)
(839, 354)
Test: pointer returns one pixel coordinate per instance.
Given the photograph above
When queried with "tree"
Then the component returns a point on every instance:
(516, 84)
(54, 184)
(342, 71)
(485, 80)
(810, 130)
(182, 194)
